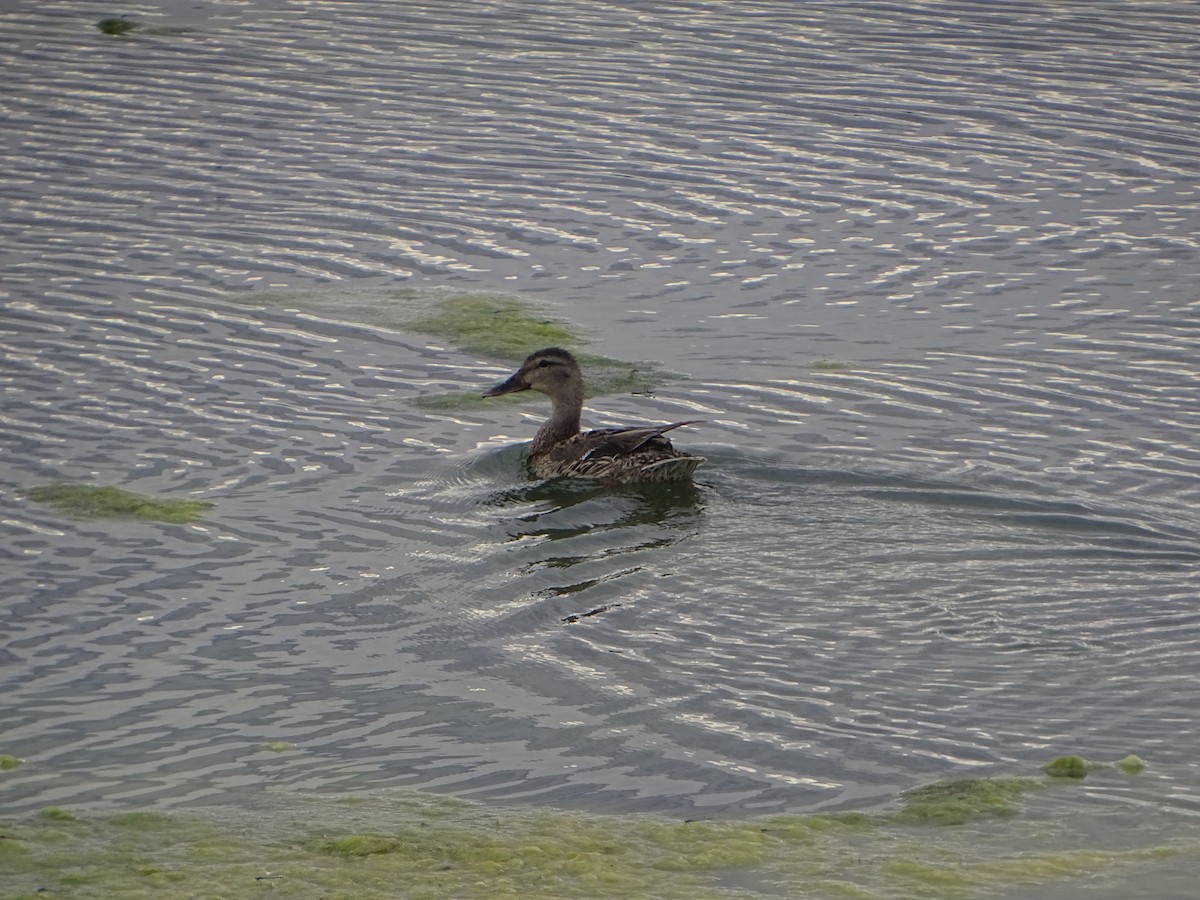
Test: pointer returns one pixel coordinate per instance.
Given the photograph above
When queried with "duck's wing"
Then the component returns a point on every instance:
(624, 441)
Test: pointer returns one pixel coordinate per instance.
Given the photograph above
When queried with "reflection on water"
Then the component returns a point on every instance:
(567, 509)
(601, 523)
(964, 542)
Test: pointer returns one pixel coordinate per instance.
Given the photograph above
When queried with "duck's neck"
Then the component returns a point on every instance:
(563, 423)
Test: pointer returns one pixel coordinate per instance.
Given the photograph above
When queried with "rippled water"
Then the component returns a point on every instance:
(932, 271)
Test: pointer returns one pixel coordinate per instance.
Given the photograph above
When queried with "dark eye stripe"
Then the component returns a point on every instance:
(551, 356)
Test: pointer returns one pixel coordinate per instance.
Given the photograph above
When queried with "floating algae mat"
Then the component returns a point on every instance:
(504, 328)
(963, 799)
(492, 325)
(86, 501)
(425, 846)
(119, 25)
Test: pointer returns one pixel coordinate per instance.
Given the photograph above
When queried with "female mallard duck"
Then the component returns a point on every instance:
(611, 454)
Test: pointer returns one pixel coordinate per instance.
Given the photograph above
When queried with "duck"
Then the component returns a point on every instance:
(615, 455)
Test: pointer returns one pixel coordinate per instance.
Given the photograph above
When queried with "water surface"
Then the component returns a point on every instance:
(930, 271)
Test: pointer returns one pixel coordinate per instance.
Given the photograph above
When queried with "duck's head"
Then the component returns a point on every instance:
(552, 371)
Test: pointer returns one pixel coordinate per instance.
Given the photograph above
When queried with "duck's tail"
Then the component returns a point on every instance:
(672, 469)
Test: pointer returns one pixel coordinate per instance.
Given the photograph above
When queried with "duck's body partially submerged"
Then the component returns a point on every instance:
(611, 454)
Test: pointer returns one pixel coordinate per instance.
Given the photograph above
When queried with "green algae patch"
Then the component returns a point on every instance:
(140, 820)
(1070, 767)
(8, 762)
(359, 845)
(118, 25)
(525, 855)
(280, 746)
(505, 329)
(494, 326)
(1027, 871)
(702, 845)
(86, 501)
(810, 829)
(927, 875)
(56, 814)
(364, 847)
(963, 800)
(1132, 765)
(958, 876)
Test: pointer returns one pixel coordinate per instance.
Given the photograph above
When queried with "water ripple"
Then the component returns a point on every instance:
(930, 268)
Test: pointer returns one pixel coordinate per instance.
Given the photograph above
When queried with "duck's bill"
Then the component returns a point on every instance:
(511, 386)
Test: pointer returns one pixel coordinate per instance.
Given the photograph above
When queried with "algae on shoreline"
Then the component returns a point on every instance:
(313, 846)
(961, 800)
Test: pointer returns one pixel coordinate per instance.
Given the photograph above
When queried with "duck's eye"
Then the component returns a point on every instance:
(543, 363)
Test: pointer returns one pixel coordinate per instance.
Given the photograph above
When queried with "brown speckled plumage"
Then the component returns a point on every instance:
(559, 448)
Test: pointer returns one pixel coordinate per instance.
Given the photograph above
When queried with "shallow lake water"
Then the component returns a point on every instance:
(926, 273)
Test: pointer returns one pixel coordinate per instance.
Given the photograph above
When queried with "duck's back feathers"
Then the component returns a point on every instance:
(618, 454)
(622, 441)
